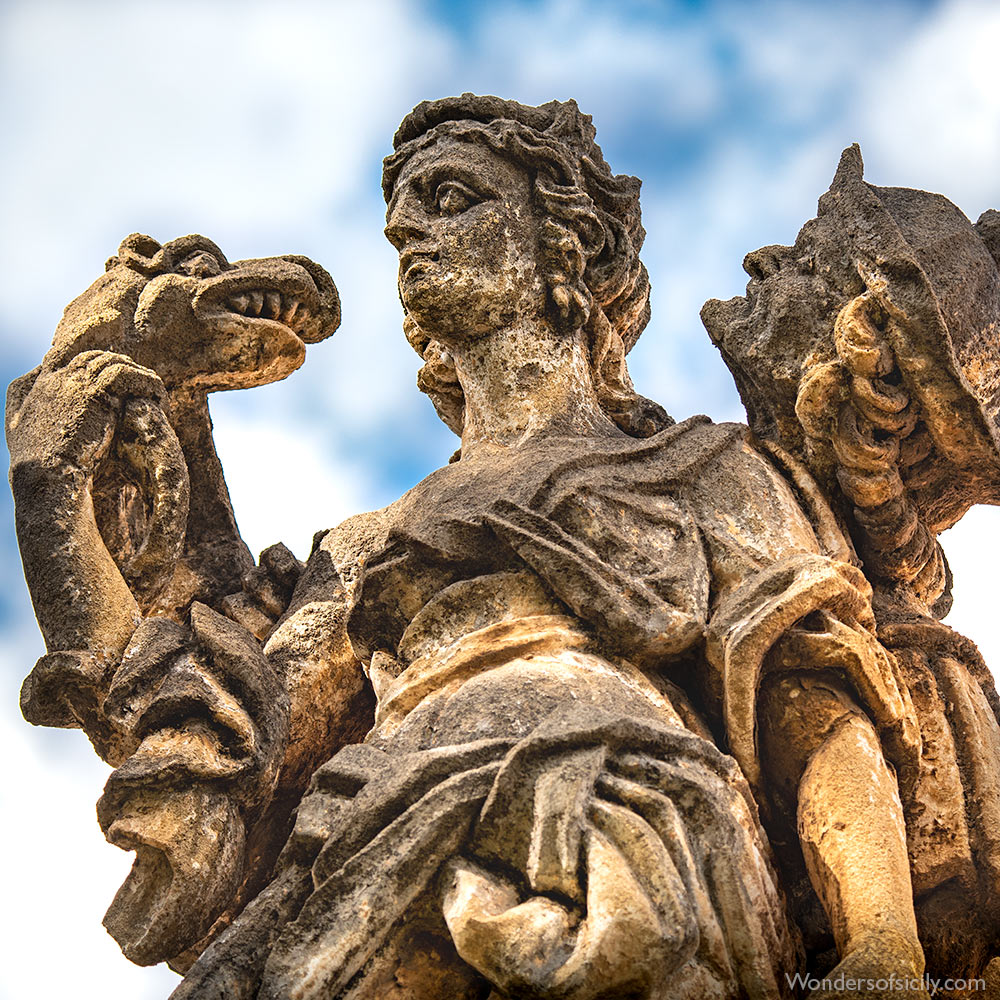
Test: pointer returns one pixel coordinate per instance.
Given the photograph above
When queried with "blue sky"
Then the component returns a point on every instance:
(263, 127)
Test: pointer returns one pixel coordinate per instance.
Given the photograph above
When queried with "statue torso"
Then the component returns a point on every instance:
(492, 544)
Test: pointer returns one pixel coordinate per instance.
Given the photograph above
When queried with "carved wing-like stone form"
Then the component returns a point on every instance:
(869, 352)
(132, 555)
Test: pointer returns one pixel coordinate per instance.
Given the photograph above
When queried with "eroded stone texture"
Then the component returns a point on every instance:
(535, 729)
(868, 351)
(130, 549)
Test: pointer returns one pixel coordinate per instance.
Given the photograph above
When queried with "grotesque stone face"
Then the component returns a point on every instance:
(887, 284)
(211, 325)
(783, 325)
(462, 220)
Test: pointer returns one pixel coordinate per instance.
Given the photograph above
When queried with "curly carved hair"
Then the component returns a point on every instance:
(590, 239)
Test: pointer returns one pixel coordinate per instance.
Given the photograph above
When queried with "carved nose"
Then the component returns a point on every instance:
(401, 231)
(406, 222)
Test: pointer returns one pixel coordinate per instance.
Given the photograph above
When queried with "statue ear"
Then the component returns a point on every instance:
(988, 229)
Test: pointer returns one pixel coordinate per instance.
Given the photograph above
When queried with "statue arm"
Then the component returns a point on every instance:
(130, 547)
(63, 423)
(187, 705)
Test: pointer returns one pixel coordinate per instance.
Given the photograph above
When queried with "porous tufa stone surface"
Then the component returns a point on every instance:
(609, 706)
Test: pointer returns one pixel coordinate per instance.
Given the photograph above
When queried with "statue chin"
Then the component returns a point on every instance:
(189, 861)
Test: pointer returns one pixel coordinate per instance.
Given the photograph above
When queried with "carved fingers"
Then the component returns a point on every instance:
(267, 591)
(635, 930)
(68, 415)
(101, 498)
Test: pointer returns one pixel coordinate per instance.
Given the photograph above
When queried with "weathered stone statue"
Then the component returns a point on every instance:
(608, 707)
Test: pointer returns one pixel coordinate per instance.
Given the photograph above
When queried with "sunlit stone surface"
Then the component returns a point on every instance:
(610, 706)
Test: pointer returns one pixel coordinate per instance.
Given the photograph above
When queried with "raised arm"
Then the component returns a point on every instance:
(153, 612)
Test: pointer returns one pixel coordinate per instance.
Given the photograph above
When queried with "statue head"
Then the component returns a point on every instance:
(891, 292)
(200, 321)
(869, 351)
(562, 241)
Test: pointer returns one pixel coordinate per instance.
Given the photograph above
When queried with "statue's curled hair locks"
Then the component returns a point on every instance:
(590, 238)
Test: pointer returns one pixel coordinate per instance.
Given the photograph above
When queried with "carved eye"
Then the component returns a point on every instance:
(200, 265)
(453, 198)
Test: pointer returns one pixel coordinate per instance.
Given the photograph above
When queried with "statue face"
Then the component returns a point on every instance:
(783, 323)
(788, 298)
(464, 224)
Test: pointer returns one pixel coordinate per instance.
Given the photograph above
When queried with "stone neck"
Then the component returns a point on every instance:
(213, 550)
(524, 382)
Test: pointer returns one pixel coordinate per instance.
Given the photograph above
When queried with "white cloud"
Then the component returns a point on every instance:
(284, 484)
(698, 235)
(246, 121)
(931, 112)
(60, 875)
(615, 68)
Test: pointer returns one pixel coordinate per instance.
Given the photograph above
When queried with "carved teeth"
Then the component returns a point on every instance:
(272, 305)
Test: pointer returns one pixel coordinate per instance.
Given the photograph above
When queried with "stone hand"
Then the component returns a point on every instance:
(81, 427)
(66, 419)
(267, 591)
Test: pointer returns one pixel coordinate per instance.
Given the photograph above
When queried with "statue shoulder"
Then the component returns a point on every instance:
(705, 454)
(746, 497)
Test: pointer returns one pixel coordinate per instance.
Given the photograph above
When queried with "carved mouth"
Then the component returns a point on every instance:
(272, 304)
(133, 911)
(189, 846)
(411, 259)
(282, 291)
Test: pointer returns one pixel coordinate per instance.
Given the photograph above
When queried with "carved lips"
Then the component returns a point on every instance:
(414, 263)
